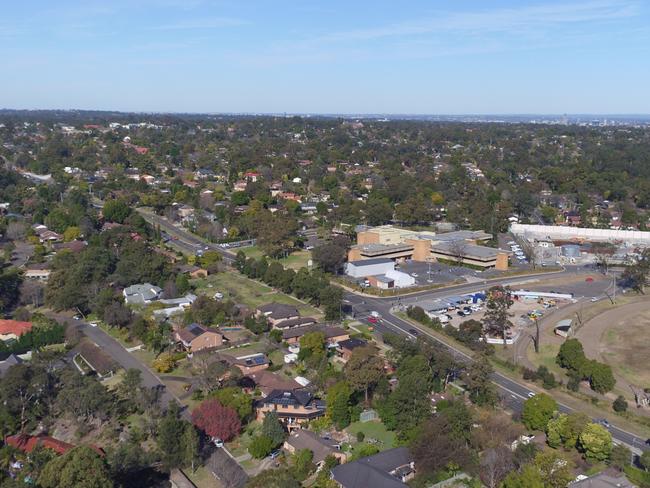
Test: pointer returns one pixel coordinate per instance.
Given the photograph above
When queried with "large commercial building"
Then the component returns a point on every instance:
(388, 242)
(580, 234)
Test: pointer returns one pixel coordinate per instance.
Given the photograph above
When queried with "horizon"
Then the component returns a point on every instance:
(170, 56)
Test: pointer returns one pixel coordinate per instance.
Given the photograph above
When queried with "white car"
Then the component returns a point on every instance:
(531, 394)
(94, 323)
(414, 275)
(217, 442)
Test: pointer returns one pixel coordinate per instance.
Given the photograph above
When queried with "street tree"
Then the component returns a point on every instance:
(497, 318)
(595, 442)
(538, 410)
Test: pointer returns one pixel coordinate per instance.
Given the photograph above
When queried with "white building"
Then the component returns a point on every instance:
(369, 267)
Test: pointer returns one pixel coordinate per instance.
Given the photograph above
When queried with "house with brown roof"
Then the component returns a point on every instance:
(193, 271)
(321, 448)
(13, 329)
(267, 382)
(27, 443)
(196, 337)
(90, 358)
(277, 312)
(294, 323)
(346, 348)
(293, 407)
(248, 364)
(333, 335)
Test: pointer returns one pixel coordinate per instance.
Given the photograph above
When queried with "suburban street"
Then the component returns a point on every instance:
(513, 392)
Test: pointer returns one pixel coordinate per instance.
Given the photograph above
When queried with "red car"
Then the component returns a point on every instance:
(373, 320)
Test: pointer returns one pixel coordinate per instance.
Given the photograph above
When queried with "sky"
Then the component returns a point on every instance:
(334, 56)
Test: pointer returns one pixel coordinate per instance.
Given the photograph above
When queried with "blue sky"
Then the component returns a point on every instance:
(431, 57)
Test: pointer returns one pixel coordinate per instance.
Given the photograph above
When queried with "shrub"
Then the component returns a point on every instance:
(620, 404)
(260, 447)
(360, 436)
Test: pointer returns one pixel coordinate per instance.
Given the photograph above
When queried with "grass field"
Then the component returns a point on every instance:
(249, 292)
(296, 260)
(374, 430)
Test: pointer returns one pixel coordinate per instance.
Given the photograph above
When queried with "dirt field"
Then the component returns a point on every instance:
(621, 338)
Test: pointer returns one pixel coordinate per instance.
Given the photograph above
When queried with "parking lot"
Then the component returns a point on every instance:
(429, 273)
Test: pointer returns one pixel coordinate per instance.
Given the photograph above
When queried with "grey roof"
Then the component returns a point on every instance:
(305, 439)
(471, 251)
(11, 360)
(289, 397)
(297, 322)
(603, 480)
(462, 235)
(352, 343)
(373, 471)
(142, 292)
(278, 310)
(370, 262)
(301, 331)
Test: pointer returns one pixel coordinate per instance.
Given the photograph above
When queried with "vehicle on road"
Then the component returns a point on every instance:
(94, 323)
(531, 394)
(414, 332)
(375, 314)
(604, 423)
(217, 442)
(373, 320)
(414, 275)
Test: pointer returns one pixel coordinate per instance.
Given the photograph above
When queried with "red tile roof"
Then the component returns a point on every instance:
(27, 443)
(14, 327)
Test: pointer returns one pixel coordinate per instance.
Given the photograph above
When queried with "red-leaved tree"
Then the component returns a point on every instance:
(216, 420)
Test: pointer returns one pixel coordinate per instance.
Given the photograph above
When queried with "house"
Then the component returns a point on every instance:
(293, 407)
(332, 334)
(27, 443)
(89, 357)
(387, 469)
(321, 448)
(277, 312)
(72, 246)
(38, 272)
(346, 348)
(11, 330)
(193, 271)
(49, 236)
(603, 480)
(141, 293)
(175, 306)
(195, 337)
(267, 382)
(294, 323)
(250, 363)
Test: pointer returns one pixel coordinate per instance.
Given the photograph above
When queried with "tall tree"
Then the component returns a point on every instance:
(496, 319)
(364, 369)
(81, 467)
(216, 420)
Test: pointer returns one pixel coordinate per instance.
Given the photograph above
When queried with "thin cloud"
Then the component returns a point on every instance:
(197, 24)
(501, 20)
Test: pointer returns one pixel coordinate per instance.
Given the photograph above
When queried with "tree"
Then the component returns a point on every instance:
(260, 446)
(302, 464)
(364, 369)
(636, 276)
(329, 257)
(564, 429)
(117, 315)
(496, 319)
(479, 382)
(312, 345)
(620, 457)
(331, 298)
(644, 460)
(538, 410)
(236, 399)
(556, 471)
(620, 404)
(81, 467)
(495, 464)
(601, 377)
(71, 234)
(571, 355)
(190, 445)
(528, 477)
(274, 478)
(272, 428)
(595, 442)
(116, 211)
(170, 430)
(216, 420)
(338, 404)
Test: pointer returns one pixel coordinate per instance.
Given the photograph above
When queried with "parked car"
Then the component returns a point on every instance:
(462, 313)
(217, 442)
(275, 454)
(373, 320)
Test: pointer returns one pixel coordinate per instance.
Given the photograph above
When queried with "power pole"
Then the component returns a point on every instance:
(536, 335)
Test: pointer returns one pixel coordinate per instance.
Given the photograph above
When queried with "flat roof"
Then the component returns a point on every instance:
(471, 251)
(370, 262)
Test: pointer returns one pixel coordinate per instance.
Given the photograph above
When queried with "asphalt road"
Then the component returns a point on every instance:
(513, 393)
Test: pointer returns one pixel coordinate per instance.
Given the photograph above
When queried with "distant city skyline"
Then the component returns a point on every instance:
(503, 57)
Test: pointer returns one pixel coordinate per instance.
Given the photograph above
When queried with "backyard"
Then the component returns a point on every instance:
(296, 260)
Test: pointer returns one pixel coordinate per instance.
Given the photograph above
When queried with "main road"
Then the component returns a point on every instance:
(513, 392)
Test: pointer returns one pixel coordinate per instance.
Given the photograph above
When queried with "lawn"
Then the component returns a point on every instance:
(296, 260)
(374, 430)
(249, 292)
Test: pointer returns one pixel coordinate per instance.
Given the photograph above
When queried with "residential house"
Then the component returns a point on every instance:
(193, 271)
(605, 479)
(277, 312)
(38, 272)
(321, 448)
(73, 246)
(89, 357)
(248, 364)
(333, 335)
(267, 382)
(387, 469)
(293, 407)
(294, 323)
(195, 337)
(240, 185)
(174, 306)
(10, 330)
(141, 294)
(27, 443)
(346, 348)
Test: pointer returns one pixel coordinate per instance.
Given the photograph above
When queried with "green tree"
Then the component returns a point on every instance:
(496, 319)
(236, 399)
(116, 211)
(644, 460)
(71, 234)
(564, 429)
(272, 428)
(538, 410)
(479, 382)
(595, 442)
(338, 404)
(620, 457)
(601, 377)
(80, 467)
(620, 404)
(571, 355)
(331, 298)
(312, 346)
(190, 445)
(302, 464)
(274, 478)
(555, 469)
(364, 369)
(170, 430)
(528, 477)
(260, 446)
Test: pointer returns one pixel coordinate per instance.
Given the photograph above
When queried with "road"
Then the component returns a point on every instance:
(513, 392)
(230, 473)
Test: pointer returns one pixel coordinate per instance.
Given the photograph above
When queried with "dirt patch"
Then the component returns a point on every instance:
(621, 338)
